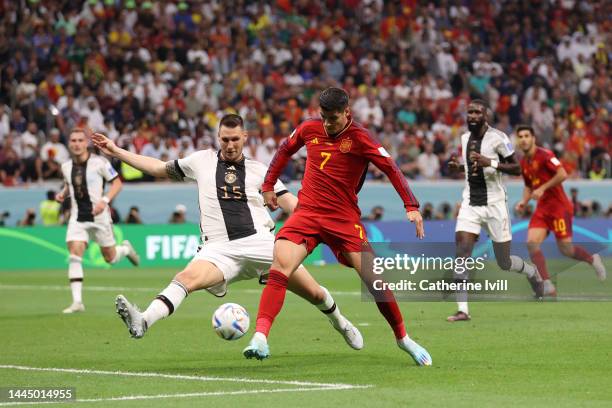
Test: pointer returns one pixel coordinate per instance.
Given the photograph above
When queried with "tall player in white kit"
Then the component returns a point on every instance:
(236, 230)
(85, 177)
(487, 153)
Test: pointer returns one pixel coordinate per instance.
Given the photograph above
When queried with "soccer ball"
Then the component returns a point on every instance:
(230, 321)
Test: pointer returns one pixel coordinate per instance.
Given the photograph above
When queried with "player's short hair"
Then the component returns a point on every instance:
(333, 99)
(522, 127)
(76, 130)
(481, 102)
(232, 120)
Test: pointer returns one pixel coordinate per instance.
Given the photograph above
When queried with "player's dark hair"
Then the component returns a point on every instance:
(481, 102)
(333, 99)
(232, 120)
(520, 128)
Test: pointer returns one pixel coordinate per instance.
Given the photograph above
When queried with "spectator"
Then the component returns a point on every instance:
(54, 148)
(133, 216)
(10, 169)
(428, 163)
(178, 215)
(376, 214)
(28, 218)
(50, 210)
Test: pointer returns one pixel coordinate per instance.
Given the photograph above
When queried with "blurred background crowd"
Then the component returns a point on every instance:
(156, 76)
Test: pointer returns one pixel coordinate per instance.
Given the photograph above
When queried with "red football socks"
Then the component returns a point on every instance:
(271, 301)
(582, 255)
(537, 257)
(391, 311)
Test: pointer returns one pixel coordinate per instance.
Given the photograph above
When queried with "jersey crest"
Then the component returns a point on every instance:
(345, 145)
(230, 177)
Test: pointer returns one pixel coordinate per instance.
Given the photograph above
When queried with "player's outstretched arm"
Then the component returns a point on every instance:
(416, 218)
(149, 165)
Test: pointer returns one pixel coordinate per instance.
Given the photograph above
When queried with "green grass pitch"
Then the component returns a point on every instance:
(511, 354)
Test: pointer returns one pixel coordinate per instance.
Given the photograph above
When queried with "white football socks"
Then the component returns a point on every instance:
(331, 310)
(75, 275)
(520, 266)
(120, 252)
(463, 307)
(165, 303)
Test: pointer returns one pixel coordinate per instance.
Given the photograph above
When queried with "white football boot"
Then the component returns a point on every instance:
(131, 316)
(74, 308)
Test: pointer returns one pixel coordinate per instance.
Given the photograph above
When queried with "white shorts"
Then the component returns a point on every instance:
(494, 217)
(100, 232)
(240, 259)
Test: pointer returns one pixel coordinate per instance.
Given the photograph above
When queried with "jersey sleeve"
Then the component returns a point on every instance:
(187, 166)
(377, 154)
(504, 146)
(288, 148)
(107, 170)
(550, 162)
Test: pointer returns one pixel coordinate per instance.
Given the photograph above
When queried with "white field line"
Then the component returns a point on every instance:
(301, 386)
(173, 376)
(129, 289)
(190, 395)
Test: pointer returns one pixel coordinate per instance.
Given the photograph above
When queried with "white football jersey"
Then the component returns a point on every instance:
(484, 186)
(229, 193)
(86, 182)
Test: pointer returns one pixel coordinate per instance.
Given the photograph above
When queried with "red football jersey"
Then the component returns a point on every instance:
(336, 167)
(537, 170)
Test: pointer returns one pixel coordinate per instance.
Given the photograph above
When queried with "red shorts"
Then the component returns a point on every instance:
(559, 221)
(310, 229)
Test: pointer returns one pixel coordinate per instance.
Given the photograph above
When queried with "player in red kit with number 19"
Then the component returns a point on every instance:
(543, 175)
(338, 153)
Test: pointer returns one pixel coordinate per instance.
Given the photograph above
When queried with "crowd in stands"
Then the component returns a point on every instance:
(156, 76)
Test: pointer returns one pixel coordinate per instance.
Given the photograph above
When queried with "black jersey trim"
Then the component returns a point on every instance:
(476, 180)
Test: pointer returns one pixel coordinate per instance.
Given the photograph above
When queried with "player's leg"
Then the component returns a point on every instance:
(387, 305)
(467, 230)
(578, 253)
(103, 235)
(464, 245)
(287, 257)
(498, 225)
(517, 264)
(535, 237)
(304, 285)
(76, 250)
(199, 274)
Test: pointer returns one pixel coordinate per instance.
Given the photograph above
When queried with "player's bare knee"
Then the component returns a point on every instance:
(190, 278)
(108, 258)
(533, 247)
(567, 250)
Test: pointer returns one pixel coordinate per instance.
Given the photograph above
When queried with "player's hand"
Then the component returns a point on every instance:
(270, 200)
(480, 160)
(59, 197)
(520, 206)
(537, 193)
(453, 163)
(100, 206)
(416, 218)
(102, 142)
